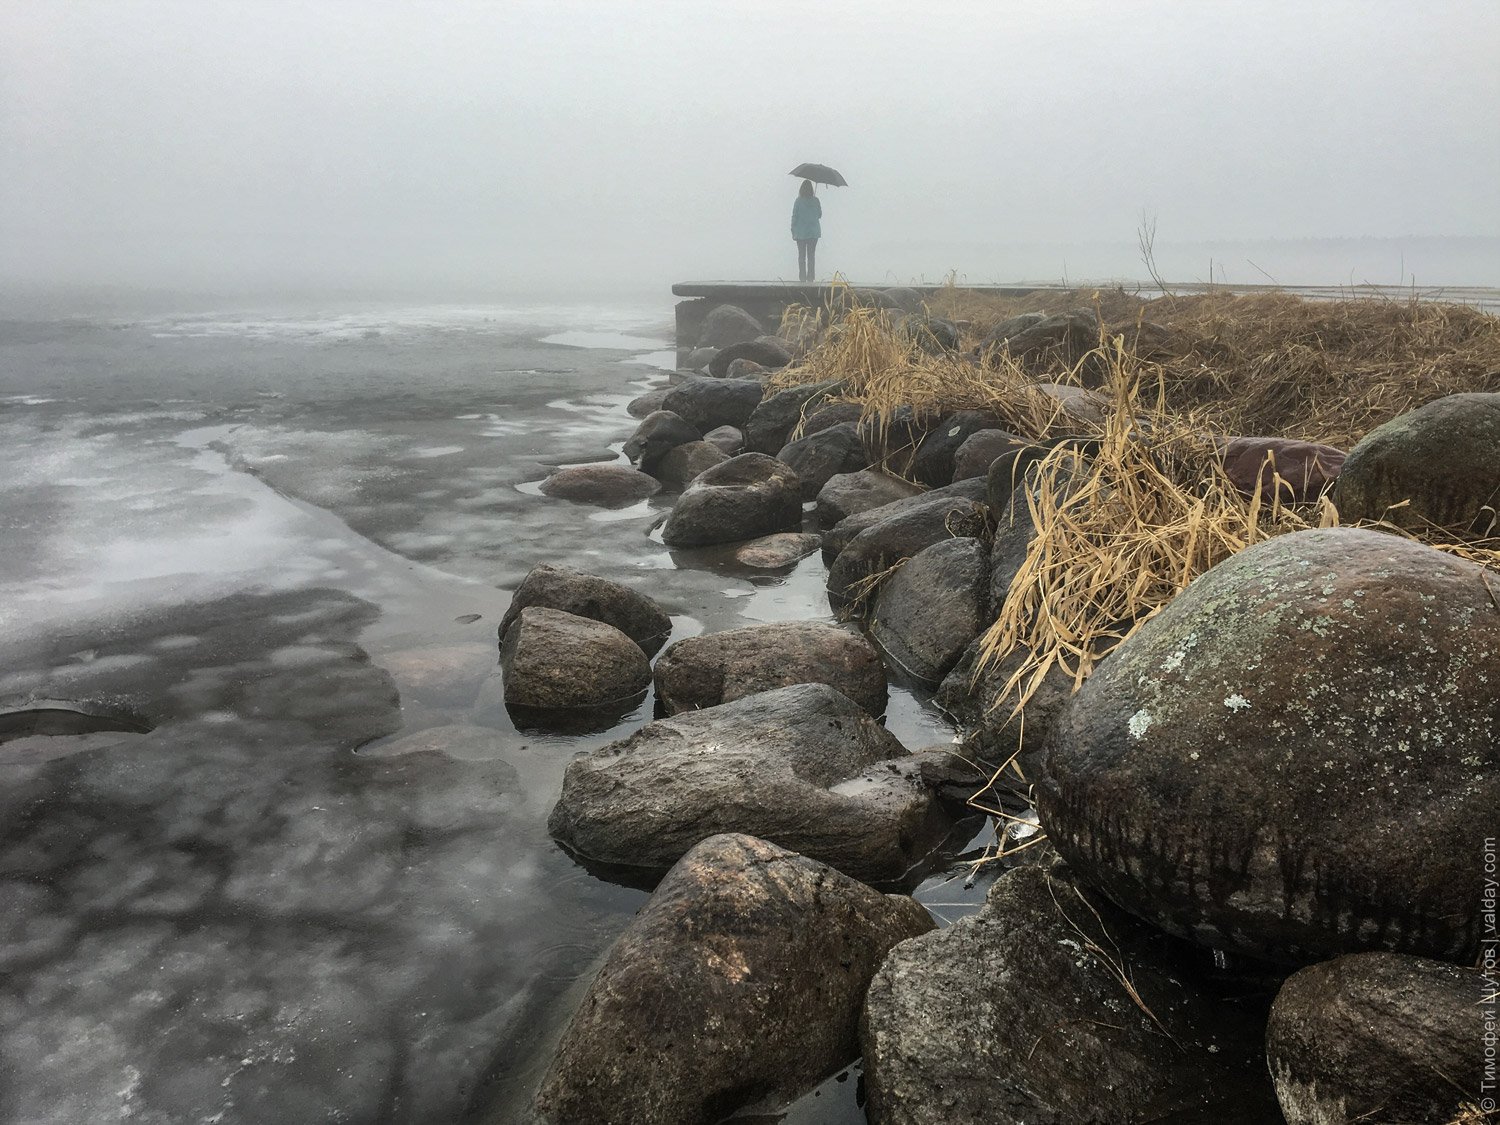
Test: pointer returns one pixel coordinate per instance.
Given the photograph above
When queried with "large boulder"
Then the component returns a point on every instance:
(774, 418)
(1306, 469)
(958, 497)
(928, 611)
(1299, 757)
(1009, 327)
(906, 299)
(608, 486)
(893, 437)
(803, 766)
(830, 414)
(1054, 341)
(715, 668)
(933, 463)
(901, 536)
(659, 433)
(1050, 1007)
(981, 449)
(586, 595)
(846, 494)
(555, 661)
(1380, 1037)
(768, 351)
(727, 324)
(1440, 461)
(683, 464)
(821, 456)
(740, 981)
(743, 498)
(710, 403)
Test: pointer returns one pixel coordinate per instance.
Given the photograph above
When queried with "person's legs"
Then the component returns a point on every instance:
(812, 259)
(801, 259)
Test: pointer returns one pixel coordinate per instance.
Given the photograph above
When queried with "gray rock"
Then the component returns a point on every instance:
(848, 494)
(742, 498)
(899, 537)
(585, 595)
(648, 403)
(710, 403)
(699, 358)
(1053, 341)
(715, 668)
(727, 324)
(769, 352)
(1299, 757)
(804, 767)
(827, 415)
(1442, 460)
(728, 440)
(740, 981)
(906, 299)
(933, 463)
(995, 736)
(1075, 405)
(959, 495)
(553, 660)
(932, 334)
(771, 552)
(821, 456)
(892, 440)
(771, 423)
(744, 369)
(608, 486)
(682, 464)
(981, 449)
(1018, 1016)
(659, 432)
(1378, 1037)
(1009, 327)
(928, 611)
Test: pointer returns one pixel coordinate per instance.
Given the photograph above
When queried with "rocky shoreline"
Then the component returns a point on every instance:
(1266, 810)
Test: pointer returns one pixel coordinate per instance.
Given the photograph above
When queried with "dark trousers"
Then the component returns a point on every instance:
(807, 251)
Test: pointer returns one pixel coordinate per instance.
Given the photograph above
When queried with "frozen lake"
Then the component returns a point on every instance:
(320, 887)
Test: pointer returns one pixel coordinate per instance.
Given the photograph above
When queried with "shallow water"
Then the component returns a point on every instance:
(320, 886)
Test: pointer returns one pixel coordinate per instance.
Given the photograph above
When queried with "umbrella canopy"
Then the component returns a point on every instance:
(820, 174)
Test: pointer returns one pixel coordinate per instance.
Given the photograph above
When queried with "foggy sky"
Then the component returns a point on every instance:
(511, 144)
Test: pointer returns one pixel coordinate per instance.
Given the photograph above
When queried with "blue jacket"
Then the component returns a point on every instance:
(805, 215)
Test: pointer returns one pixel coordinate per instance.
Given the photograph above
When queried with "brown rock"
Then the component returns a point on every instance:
(743, 498)
(553, 660)
(608, 486)
(740, 981)
(1306, 469)
(771, 552)
(679, 466)
(717, 668)
(586, 595)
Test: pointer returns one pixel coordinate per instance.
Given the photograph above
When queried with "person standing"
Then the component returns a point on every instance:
(807, 228)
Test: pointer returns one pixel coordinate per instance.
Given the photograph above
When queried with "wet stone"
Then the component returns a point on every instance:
(771, 552)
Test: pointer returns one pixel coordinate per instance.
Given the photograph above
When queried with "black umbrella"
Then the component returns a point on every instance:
(820, 174)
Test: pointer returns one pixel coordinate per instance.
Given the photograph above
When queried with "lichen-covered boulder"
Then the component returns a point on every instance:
(1379, 1037)
(1440, 463)
(740, 981)
(586, 595)
(744, 497)
(1018, 1016)
(1299, 757)
(803, 766)
(715, 668)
